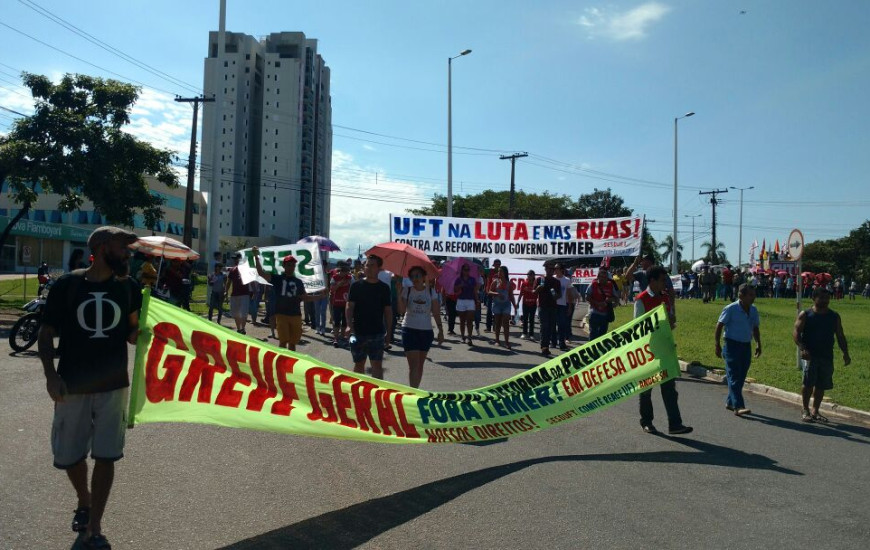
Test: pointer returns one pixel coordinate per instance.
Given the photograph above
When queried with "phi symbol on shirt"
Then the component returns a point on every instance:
(99, 327)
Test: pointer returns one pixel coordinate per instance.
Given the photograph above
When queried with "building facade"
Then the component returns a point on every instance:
(48, 235)
(266, 139)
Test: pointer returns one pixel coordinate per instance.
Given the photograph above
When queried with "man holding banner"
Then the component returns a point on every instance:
(289, 294)
(649, 299)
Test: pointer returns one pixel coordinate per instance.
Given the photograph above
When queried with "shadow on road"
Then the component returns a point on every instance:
(359, 523)
(857, 434)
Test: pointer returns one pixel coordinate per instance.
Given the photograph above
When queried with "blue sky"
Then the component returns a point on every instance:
(589, 89)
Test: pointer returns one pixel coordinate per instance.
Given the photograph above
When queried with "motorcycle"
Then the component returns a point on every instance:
(25, 331)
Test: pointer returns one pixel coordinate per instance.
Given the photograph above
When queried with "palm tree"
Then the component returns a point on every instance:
(714, 257)
(667, 246)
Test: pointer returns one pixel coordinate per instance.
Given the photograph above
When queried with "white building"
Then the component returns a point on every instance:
(267, 138)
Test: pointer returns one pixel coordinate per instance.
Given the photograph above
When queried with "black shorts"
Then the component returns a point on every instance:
(417, 340)
(819, 373)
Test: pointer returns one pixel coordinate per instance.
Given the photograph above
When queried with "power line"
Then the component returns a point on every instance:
(46, 44)
(111, 49)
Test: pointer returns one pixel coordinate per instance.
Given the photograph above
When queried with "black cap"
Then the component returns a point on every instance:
(107, 233)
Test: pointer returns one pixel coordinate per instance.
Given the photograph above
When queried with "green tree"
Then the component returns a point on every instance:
(74, 145)
(667, 246)
(602, 204)
(714, 256)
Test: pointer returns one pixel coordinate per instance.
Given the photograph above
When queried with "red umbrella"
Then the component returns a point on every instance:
(808, 274)
(400, 257)
(824, 276)
(782, 273)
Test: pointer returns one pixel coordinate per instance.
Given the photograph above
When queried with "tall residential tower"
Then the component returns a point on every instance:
(267, 138)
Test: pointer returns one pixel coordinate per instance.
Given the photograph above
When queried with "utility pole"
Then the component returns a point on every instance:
(513, 158)
(714, 201)
(191, 167)
(693, 233)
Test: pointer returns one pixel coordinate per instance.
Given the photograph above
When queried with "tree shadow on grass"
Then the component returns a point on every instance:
(360, 523)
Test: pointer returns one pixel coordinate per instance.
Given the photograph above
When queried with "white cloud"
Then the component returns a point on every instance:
(621, 26)
(363, 222)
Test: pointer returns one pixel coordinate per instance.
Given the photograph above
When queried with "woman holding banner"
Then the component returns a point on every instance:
(502, 295)
(466, 291)
(419, 304)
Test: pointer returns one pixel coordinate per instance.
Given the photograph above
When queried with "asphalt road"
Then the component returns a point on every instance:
(763, 481)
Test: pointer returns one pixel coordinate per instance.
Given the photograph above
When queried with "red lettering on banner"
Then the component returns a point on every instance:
(163, 389)
(202, 370)
(507, 226)
(478, 231)
(522, 232)
(582, 230)
(362, 404)
(572, 385)
(611, 232)
(265, 382)
(316, 399)
(342, 400)
(410, 429)
(624, 229)
(386, 415)
(229, 396)
(284, 368)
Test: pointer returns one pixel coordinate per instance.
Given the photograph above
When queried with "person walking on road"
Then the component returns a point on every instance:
(466, 290)
(289, 294)
(530, 305)
(548, 290)
(95, 312)
(216, 284)
(338, 291)
(419, 305)
(369, 316)
(741, 324)
(239, 294)
(653, 296)
(501, 293)
(602, 298)
(814, 333)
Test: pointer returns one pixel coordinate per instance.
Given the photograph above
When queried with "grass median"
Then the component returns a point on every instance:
(696, 325)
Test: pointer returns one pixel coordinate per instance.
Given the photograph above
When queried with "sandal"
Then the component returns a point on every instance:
(806, 416)
(81, 519)
(819, 418)
(97, 542)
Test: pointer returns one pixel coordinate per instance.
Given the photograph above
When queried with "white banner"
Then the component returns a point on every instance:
(309, 266)
(677, 281)
(529, 239)
(584, 275)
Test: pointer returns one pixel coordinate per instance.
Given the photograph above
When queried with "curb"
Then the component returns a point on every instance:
(838, 410)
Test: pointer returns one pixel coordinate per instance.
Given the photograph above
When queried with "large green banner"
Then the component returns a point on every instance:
(191, 370)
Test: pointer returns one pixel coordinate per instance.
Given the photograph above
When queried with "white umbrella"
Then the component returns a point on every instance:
(165, 247)
(696, 267)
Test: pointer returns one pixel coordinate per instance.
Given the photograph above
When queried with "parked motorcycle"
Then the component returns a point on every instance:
(25, 331)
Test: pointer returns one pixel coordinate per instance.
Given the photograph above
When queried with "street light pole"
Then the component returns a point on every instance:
(740, 238)
(693, 232)
(450, 131)
(674, 264)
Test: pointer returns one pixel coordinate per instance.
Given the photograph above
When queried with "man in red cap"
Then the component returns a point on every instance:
(289, 294)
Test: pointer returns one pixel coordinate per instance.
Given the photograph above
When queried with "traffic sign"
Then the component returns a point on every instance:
(795, 244)
(26, 255)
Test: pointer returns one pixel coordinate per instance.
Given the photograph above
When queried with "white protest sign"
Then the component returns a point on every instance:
(309, 266)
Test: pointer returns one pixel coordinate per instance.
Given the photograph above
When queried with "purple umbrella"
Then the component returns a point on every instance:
(326, 244)
(451, 271)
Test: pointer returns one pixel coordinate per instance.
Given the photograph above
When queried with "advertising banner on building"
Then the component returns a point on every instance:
(532, 239)
(309, 265)
(190, 370)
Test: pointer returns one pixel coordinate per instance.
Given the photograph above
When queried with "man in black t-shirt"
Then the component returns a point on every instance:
(548, 290)
(368, 310)
(289, 294)
(95, 312)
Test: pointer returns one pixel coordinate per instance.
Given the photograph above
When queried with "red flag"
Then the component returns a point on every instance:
(763, 246)
(605, 262)
(776, 247)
